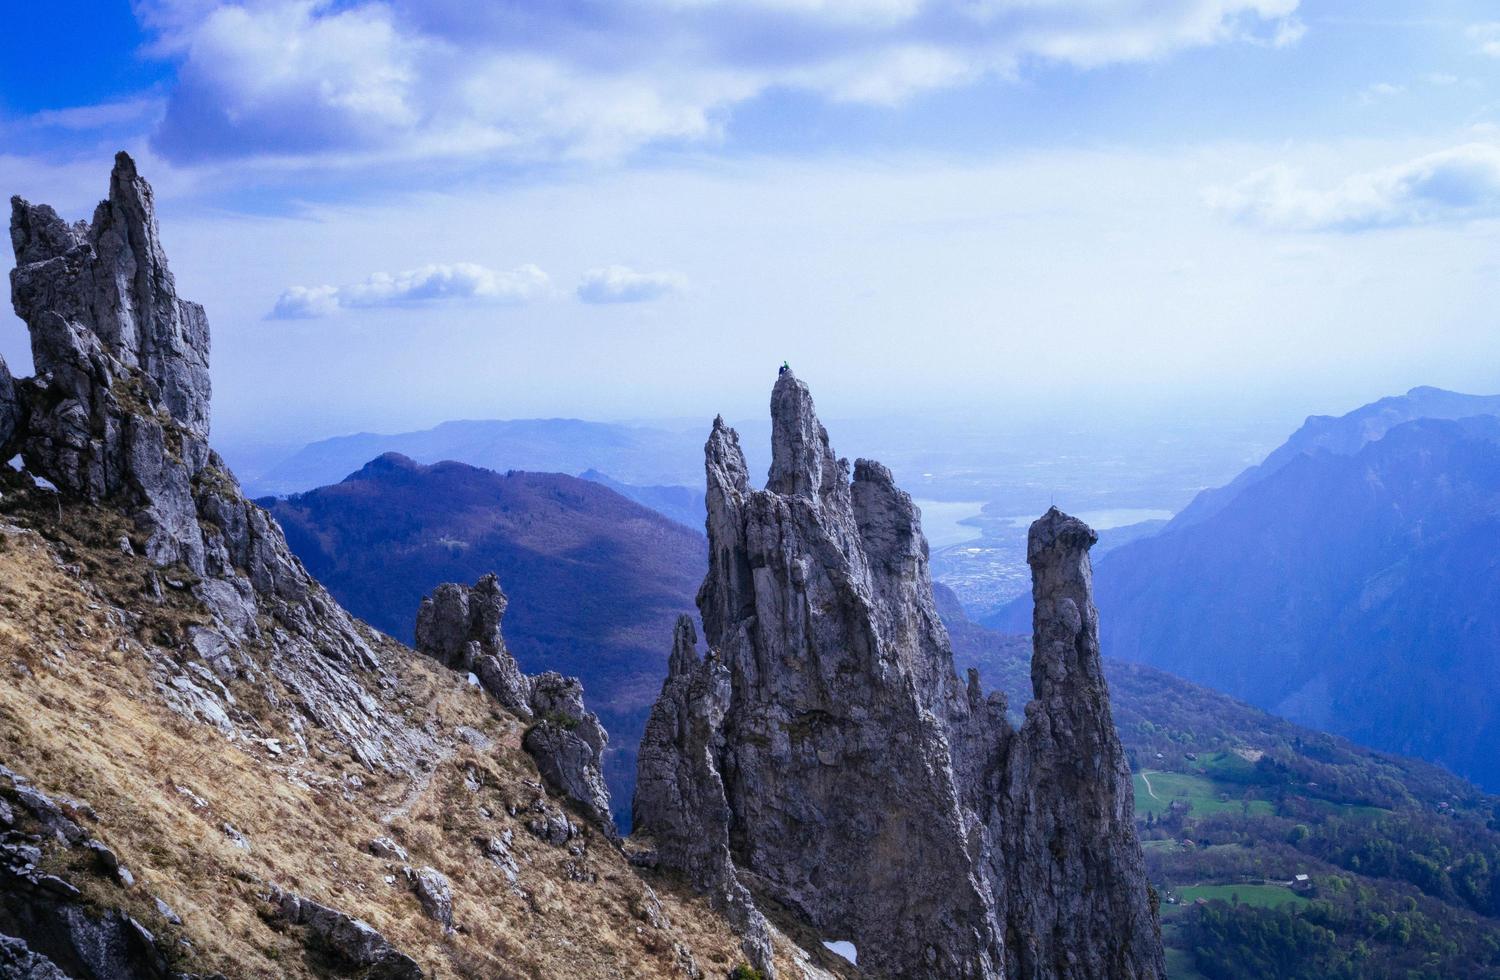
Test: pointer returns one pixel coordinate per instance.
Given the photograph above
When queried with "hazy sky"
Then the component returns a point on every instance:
(407, 211)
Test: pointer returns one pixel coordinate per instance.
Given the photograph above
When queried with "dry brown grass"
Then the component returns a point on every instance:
(79, 715)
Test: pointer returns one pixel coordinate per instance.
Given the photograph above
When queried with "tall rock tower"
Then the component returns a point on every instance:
(826, 748)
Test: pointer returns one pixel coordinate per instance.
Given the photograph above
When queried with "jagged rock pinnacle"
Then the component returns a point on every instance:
(827, 742)
(109, 334)
(117, 416)
(802, 462)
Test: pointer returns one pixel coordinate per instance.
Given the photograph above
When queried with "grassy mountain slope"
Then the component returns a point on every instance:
(81, 717)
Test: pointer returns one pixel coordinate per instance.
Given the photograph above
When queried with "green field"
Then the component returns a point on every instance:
(1180, 965)
(1350, 809)
(1155, 791)
(1261, 896)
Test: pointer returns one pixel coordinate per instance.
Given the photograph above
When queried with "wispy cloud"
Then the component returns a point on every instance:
(100, 116)
(1380, 91)
(301, 79)
(1487, 37)
(463, 281)
(620, 284)
(1461, 183)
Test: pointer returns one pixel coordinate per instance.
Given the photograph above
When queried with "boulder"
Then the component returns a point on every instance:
(434, 892)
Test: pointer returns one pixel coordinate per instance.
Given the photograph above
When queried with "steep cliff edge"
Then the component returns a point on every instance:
(209, 767)
(826, 748)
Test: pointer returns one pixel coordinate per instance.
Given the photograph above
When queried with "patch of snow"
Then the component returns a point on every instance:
(844, 948)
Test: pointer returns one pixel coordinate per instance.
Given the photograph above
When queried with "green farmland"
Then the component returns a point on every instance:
(1155, 791)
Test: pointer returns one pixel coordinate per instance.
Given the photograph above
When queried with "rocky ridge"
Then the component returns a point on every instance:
(117, 415)
(274, 789)
(823, 753)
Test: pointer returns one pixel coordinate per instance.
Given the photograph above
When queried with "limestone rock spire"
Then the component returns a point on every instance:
(116, 417)
(802, 462)
(109, 336)
(1068, 815)
(825, 750)
(460, 627)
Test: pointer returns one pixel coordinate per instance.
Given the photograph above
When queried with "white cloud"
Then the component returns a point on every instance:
(415, 287)
(1380, 91)
(370, 80)
(621, 284)
(1457, 184)
(305, 303)
(1487, 37)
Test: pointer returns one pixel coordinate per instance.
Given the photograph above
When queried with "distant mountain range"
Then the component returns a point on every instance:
(595, 581)
(630, 454)
(1348, 582)
(1343, 435)
(682, 504)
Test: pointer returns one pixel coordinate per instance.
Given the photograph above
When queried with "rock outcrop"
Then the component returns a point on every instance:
(824, 753)
(47, 928)
(680, 800)
(351, 943)
(460, 626)
(117, 415)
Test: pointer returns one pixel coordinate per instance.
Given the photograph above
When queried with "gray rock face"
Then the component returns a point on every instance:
(824, 751)
(461, 627)
(20, 962)
(1066, 821)
(680, 800)
(350, 940)
(50, 931)
(119, 405)
(118, 415)
(434, 892)
(567, 741)
(12, 414)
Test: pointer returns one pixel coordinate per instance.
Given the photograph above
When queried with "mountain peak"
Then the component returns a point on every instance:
(1056, 537)
(386, 464)
(803, 464)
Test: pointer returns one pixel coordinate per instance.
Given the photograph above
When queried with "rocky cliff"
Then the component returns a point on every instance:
(209, 767)
(824, 755)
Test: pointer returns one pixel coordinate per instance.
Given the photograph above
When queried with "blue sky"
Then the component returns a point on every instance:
(406, 211)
